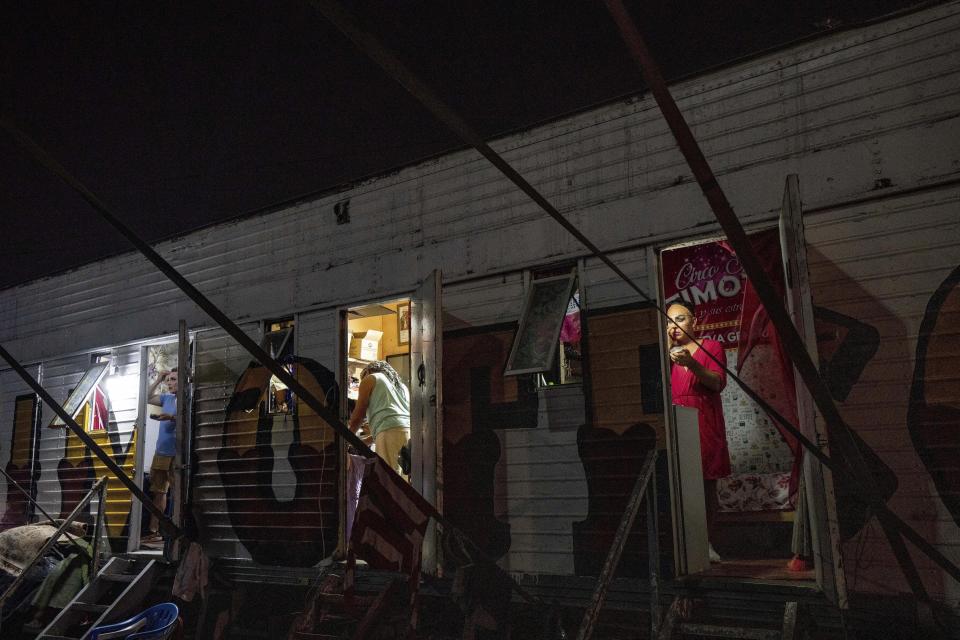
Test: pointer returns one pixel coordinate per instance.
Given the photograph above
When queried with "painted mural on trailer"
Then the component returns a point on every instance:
(19, 467)
(934, 412)
(276, 523)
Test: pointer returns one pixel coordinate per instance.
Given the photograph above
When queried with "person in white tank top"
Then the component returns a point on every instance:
(383, 403)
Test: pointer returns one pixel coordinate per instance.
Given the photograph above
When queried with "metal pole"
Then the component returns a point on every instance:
(165, 523)
(53, 539)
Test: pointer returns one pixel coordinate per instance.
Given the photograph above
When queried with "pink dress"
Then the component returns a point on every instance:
(688, 392)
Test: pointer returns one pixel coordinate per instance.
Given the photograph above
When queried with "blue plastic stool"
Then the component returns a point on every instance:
(155, 623)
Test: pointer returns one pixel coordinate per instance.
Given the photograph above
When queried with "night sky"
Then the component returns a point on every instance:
(179, 115)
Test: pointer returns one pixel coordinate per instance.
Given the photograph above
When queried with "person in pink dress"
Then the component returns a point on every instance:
(696, 380)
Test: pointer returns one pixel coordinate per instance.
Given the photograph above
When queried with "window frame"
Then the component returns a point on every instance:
(572, 280)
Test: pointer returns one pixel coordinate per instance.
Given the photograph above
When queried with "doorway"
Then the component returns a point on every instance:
(724, 289)
(404, 332)
(752, 477)
(163, 431)
(158, 362)
(375, 332)
(376, 342)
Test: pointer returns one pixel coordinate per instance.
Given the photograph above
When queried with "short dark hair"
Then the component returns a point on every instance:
(689, 306)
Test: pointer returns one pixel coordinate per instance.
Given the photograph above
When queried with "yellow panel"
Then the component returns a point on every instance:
(22, 431)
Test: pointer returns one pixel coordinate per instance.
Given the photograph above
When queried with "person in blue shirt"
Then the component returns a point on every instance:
(166, 449)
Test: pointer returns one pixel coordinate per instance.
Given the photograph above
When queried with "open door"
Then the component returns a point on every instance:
(180, 485)
(689, 494)
(425, 402)
(818, 480)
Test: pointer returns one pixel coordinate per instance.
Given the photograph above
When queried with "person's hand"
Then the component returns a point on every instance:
(163, 416)
(682, 357)
(363, 432)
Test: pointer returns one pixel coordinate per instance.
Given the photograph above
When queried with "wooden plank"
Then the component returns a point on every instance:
(373, 612)
(789, 629)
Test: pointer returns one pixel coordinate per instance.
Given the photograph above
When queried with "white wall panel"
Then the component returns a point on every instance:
(220, 361)
(316, 334)
(483, 302)
(880, 264)
(604, 288)
(543, 491)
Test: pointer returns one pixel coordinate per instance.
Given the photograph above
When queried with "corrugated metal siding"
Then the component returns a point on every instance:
(484, 302)
(59, 376)
(880, 265)
(15, 454)
(603, 288)
(220, 362)
(543, 490)
(847, 112)
(265, 485)
(316, 337)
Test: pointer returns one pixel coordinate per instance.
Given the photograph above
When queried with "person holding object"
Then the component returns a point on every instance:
(696, 380)
(383, 403)
(166, 450)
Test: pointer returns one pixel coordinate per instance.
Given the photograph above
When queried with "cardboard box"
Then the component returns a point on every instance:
(366, 346)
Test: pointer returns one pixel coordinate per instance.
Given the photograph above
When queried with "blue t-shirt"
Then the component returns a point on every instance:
(167, 438)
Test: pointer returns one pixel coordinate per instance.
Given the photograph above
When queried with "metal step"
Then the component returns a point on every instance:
(672, 623)
(722, 631)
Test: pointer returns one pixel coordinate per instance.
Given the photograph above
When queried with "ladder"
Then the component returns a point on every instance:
(673, 627)
(115, 592)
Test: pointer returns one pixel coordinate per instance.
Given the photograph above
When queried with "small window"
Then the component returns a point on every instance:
(77, 398)
(278, 341)
(545, 312)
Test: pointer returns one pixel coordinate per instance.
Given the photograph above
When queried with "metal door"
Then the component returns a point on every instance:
(426, 417)
(818, 481)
